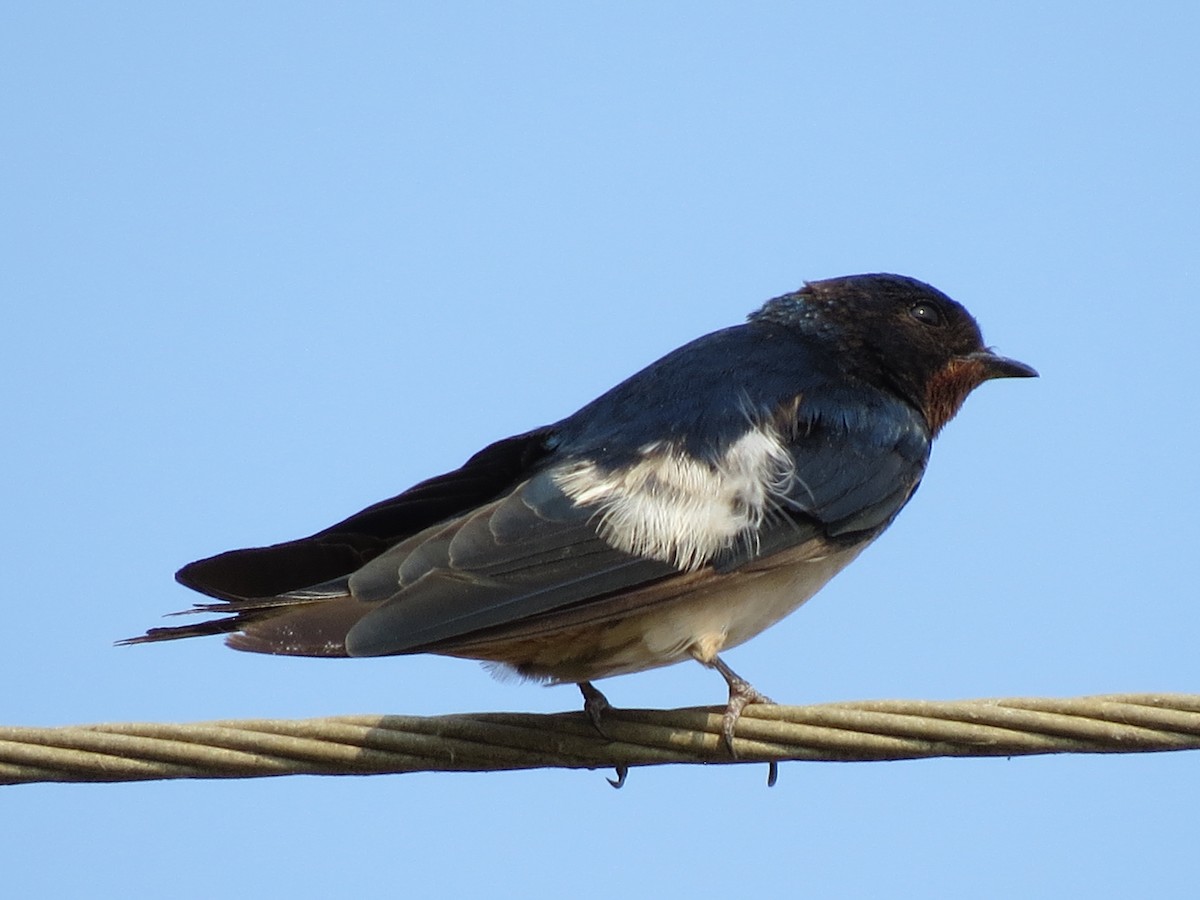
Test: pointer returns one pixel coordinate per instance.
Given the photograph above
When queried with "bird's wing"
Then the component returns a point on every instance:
(528, 553)
(345, 547)
(575, 538)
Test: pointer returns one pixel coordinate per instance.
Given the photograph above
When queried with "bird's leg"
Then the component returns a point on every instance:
(741, 694)
(595, 704)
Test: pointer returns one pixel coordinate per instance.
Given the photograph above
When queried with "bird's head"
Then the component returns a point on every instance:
(899, 334)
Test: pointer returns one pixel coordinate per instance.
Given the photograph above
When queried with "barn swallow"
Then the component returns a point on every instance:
(679, 514)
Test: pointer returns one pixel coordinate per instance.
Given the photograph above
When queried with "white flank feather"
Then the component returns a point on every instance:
(673, 507)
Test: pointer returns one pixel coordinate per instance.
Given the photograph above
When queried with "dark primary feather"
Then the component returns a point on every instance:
(344, 547)
(498, 543)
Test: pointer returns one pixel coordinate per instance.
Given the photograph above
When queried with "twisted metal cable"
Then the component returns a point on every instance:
(378, 744)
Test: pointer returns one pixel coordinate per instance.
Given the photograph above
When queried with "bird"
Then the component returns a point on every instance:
(678, 515)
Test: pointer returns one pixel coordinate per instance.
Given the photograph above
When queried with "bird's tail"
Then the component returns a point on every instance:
(287, 625)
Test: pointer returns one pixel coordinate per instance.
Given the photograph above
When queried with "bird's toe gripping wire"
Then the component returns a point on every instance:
(595, 704)
(741, 694)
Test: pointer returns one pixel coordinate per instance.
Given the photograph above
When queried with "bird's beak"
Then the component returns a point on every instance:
(994, 366)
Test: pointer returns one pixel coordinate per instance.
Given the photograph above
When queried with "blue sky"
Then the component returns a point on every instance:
(265, 264)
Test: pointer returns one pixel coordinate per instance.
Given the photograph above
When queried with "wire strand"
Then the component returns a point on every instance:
(381, 744)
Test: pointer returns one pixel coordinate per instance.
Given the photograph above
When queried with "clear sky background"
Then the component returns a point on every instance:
(264, 264)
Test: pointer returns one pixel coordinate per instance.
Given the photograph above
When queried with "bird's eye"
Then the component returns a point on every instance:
(926, 313)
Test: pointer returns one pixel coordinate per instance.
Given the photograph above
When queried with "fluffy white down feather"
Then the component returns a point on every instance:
(675, 508)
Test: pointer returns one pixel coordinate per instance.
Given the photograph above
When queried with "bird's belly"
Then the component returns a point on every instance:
(688, 618)
(728, 614)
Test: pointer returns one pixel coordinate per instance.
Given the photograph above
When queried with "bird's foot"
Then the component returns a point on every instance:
(741, 694)
(595, 705)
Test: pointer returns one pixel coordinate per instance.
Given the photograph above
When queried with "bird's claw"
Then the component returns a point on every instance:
(595, 705)
(741, 694)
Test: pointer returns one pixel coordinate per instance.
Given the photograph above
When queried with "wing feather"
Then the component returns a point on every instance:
(525, 554)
